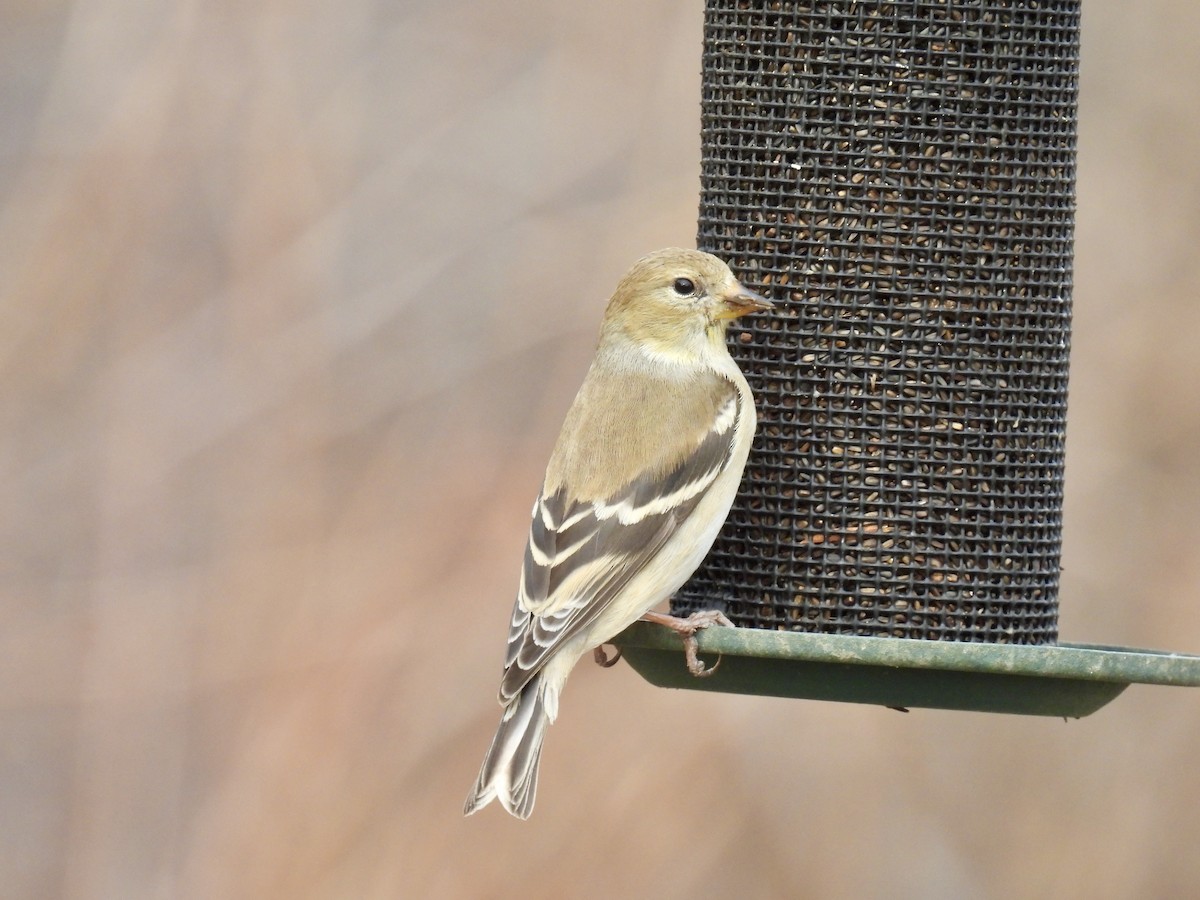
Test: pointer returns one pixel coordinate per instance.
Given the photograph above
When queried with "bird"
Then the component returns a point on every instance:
(639, 483)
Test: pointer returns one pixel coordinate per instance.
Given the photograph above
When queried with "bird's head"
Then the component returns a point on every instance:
(672, 298)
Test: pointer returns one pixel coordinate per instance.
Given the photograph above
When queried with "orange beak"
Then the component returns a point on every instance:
(743, 302)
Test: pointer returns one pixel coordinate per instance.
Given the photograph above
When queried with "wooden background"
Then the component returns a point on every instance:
(293, 298)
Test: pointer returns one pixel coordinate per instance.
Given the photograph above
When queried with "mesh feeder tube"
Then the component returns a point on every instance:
(900, 179)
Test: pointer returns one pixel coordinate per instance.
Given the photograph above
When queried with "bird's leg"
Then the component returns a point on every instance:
(603, 659)
(686, 629)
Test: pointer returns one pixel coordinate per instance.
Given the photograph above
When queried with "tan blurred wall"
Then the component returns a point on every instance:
(293, 297)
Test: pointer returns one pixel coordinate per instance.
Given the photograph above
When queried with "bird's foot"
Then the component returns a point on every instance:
(603, 659)
(686, 629)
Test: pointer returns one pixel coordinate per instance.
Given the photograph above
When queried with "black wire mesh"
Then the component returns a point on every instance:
(900, 178)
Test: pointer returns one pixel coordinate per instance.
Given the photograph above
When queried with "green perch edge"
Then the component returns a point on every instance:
(1067, 680)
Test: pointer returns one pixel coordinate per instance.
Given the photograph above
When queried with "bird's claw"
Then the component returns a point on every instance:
(604, 660)
(686, 629)
(695, 665)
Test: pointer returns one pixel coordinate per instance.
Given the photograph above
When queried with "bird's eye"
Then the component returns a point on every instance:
(684, 287)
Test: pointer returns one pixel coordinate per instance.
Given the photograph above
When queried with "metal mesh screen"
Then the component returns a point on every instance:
(900, 178)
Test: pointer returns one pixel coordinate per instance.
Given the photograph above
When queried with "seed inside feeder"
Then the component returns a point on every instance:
(900, 180)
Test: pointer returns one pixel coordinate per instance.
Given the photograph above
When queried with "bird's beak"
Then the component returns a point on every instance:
(742, 301)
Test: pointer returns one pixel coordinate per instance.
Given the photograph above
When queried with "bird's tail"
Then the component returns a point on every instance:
(510, 769)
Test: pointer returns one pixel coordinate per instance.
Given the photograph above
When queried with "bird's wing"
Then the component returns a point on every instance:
(581, 555)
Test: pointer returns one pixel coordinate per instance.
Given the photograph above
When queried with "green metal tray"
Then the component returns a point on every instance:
(1069, 680)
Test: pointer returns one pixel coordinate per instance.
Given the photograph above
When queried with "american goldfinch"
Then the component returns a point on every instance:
(639, 483)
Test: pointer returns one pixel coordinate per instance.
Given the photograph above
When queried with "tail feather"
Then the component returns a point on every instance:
(510, 769)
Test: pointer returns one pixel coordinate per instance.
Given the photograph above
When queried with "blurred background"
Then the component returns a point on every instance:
(293, 299)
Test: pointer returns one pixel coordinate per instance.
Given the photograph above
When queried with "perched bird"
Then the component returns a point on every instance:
(639, 483)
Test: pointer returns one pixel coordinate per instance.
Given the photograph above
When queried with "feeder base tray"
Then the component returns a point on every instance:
(1068, 680)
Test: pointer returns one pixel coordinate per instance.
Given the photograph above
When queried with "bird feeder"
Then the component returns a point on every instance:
(899, 177)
